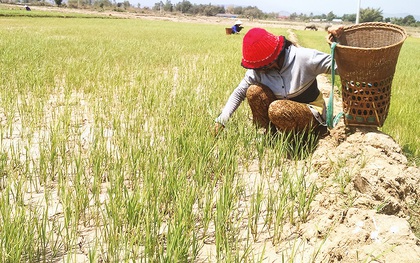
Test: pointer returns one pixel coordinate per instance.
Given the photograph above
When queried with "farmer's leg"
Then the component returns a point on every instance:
(259, 99)
(290, 116)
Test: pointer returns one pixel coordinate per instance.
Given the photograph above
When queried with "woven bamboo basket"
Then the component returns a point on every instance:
(366, 55)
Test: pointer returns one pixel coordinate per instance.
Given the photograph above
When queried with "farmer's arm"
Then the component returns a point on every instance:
(235, 99)
(322, 63)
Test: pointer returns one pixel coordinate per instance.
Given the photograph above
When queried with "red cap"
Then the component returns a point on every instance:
(260, 48)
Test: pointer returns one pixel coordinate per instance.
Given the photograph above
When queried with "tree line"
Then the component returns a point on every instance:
(186, 7)
(366, 14)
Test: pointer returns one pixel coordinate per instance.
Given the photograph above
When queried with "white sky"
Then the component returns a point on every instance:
(338, 7)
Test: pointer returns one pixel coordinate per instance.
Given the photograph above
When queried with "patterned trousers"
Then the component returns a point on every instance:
(282, 115)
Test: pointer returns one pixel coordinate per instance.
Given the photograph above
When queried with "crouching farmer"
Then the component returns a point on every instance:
(280, 85)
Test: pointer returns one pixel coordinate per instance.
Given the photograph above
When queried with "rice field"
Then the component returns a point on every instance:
(107, 152)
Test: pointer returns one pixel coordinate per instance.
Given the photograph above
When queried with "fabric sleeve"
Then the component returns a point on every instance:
(322, 63)
(235, 99)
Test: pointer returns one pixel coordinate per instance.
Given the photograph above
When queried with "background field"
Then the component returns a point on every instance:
(106, 152)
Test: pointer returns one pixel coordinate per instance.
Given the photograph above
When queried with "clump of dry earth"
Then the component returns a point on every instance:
(369, 218)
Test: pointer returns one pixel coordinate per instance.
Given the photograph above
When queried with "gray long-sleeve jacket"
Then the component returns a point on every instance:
(293, 81)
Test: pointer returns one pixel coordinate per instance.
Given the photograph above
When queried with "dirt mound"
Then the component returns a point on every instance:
(370, 187)
(380, 172)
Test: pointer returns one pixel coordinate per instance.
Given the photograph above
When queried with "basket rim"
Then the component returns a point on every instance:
(373, 25)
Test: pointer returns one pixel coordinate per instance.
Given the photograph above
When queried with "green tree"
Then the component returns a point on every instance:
(253, 12)
(409, 20)
(125, 4)
(238, 10)
(184, 6)
(331, 16)
(371, 15)
(349, 17)
(212, 10)
(100, 3)
(293, 16)
(168, 7)
(58, 2)
(158, 6)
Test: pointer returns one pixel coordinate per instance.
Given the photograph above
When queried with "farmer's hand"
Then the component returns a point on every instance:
(333, 34)
(217, 129)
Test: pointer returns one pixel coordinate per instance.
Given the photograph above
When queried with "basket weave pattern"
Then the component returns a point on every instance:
(366, 56)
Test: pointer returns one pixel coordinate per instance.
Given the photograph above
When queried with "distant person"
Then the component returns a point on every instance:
(280, 85)
(27, 8)
(237, 27)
